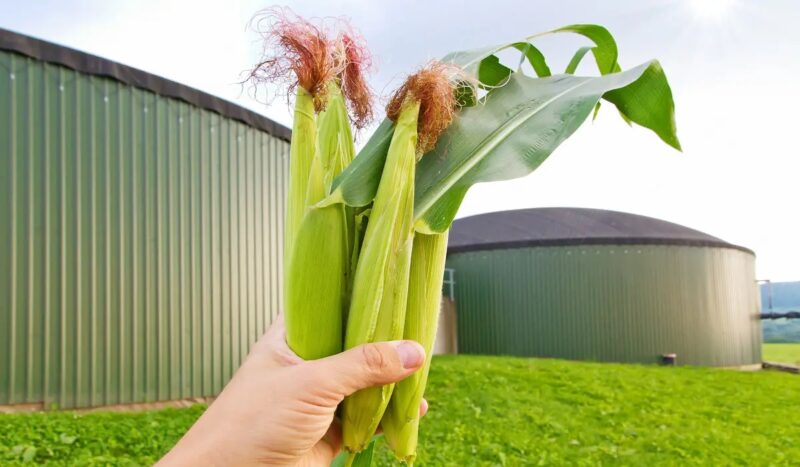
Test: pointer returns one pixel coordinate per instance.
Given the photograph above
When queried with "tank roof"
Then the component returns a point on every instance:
(571, 226)
(91, 64)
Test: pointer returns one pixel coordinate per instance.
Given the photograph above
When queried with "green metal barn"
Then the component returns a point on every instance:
(590, 284)
(140, 248)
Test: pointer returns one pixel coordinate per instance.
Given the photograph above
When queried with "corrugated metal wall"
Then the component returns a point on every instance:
(610, 303)
(140, 241)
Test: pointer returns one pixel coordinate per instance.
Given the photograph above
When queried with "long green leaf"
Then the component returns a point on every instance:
(522, 119)
(357, 184)
(648, 102)
(605, 50)
(535, 58)
(492, 73)
(510, 135)
(364, 458)
(361, 459)
(576, 60)
(573, 65)
(470, 60)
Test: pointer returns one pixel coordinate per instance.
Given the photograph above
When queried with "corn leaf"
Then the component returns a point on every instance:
(492, 73)
(648, 102)
(358, 183)
(364, 458)
(576, 60)
(605, 50)
(535, 58)
(512, 133)
(361, 459)
(515, 127)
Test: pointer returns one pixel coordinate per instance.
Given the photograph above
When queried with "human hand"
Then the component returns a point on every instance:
(279, 409)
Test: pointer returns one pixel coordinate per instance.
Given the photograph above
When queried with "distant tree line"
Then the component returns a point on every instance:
(781, 330)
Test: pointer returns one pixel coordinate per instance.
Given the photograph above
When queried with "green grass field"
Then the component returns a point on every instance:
(504, 411)
(781, 353)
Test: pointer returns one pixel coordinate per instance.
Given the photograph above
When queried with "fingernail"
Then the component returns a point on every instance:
(411, 353)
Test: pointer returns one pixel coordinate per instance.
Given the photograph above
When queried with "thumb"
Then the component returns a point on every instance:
(368, 365)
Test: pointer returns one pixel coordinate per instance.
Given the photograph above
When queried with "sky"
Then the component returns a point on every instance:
(733, 66)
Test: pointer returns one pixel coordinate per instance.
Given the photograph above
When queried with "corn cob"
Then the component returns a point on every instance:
(319, 266)
(380, 286)
(401, 421)
(301, 55)
(421, 108)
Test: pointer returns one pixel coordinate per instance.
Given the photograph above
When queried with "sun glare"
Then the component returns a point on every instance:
(710, 10)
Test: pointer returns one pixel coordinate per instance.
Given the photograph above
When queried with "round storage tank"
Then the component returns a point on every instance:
(590, 284)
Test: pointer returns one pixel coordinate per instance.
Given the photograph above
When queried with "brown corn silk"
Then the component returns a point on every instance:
(297, 53)
(434, 88)
(357, 93)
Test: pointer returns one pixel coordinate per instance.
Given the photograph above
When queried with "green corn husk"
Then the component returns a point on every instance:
(337, 150)
(377, 309)
(319, 265)
(315, 278)
(401, 421)
(301, 155)
(334, 138)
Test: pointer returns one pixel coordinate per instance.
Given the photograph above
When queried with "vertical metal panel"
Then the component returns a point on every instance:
(611, 303)
(140, 253)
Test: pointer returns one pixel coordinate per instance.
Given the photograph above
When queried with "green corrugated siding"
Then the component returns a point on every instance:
(140, 243)
(610, 303)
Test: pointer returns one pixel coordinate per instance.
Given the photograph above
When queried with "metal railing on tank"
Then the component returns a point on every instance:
(790, 314)
(449, 283)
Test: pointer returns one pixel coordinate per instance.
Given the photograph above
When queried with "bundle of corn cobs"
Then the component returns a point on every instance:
(366, 236)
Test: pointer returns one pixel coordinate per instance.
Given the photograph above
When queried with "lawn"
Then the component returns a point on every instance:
(781, 353)
(505, 411)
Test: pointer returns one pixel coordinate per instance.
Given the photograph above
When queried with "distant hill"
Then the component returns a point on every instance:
(785, 297)
(781, 330)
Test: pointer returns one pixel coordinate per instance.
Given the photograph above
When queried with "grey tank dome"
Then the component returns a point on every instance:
(571, 226)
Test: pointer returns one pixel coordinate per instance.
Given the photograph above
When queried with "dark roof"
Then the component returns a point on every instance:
(94, 65)
(570, 226)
